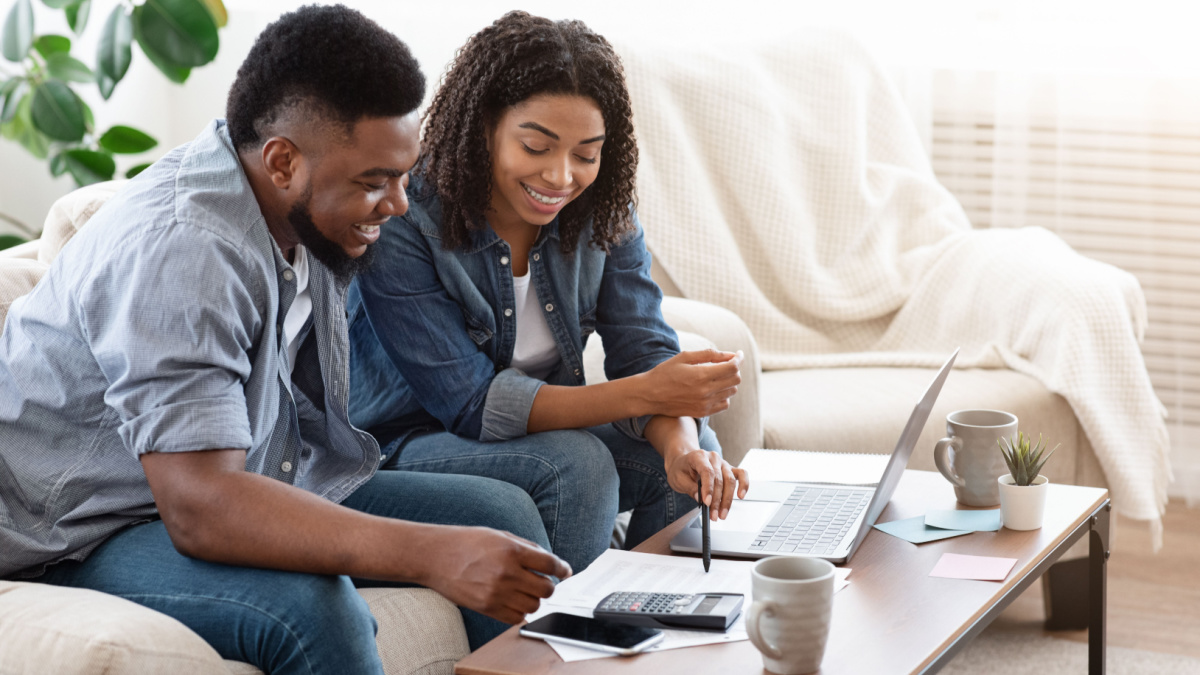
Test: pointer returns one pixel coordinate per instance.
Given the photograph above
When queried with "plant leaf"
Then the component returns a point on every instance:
(57, 4)
(10, 240)
(115, 52)
(52, 44)
(10, 95)
(18, 31)
(57, 112)
(68, 69)
(77, 15)
(124, 140)
(135, 170)
(20, 129)
(174, 73)
(181, 32)
(58, 165)
(217, 9)
(89, 166)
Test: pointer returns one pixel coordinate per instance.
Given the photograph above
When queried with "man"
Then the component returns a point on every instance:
(173, 424)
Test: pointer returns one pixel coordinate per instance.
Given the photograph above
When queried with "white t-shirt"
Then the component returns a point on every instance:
(535, 351)
(301, 308)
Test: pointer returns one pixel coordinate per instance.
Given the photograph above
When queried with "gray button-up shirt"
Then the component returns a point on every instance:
(158, 329)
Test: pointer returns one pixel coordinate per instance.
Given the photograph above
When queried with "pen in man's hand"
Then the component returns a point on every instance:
(707, 548)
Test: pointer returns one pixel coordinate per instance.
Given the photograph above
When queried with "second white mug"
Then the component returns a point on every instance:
(789, 616)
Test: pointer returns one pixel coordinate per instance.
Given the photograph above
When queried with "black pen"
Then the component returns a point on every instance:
(707, 546)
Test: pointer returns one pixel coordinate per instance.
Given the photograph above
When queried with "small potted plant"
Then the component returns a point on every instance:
(1023, 489)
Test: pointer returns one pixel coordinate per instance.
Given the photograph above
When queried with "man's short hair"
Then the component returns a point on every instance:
(329, 64)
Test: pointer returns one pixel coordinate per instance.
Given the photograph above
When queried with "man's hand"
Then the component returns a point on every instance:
(719, 480)
(493, 572)
(693, 384)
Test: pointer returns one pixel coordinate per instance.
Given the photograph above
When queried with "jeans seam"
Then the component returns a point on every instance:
(552, 536)
(288, 628)
(659, 476)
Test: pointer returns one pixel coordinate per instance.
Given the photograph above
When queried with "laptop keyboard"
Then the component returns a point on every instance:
(812, 521)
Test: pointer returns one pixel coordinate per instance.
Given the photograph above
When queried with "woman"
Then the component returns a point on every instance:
(519, 242)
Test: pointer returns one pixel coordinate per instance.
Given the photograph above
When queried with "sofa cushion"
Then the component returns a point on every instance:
(17, 277)
(864, 410)
(69, 631)
(420, 632)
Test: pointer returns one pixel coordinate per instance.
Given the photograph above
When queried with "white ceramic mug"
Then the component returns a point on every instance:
(788, 620)
(969, 456)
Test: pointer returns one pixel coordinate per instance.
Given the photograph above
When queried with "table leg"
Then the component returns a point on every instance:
(1098, 589)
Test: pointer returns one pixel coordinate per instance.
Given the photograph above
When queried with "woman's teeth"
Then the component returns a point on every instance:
(369, 229)
(541, 197)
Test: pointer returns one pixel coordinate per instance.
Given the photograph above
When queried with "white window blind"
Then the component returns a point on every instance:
(1119, 183)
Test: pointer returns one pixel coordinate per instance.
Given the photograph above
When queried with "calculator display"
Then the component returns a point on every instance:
(707, 605)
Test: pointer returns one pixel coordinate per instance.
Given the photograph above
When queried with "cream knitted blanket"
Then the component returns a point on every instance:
(787, 183)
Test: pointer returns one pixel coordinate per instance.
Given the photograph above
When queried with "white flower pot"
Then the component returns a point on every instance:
(1022, 506)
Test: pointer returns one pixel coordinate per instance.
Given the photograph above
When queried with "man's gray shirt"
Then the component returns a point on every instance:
(158, 329)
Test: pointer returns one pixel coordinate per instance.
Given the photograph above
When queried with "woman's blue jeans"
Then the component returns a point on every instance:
(289, 622)
(579, 479)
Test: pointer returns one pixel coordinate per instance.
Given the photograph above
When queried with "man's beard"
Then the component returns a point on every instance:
(324, 249)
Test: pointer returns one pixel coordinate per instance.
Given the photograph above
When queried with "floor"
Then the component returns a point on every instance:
(1153, 599)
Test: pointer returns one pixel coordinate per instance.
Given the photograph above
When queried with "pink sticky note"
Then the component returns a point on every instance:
(984, 568)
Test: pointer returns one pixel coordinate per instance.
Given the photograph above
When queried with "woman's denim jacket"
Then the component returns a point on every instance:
(432, 330)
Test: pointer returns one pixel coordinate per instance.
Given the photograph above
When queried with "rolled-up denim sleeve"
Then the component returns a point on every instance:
(425, 336)
(171, 321)
(509, 401)
(629, 319)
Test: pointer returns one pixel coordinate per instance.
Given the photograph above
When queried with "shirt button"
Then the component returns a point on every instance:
(537, 257)
(504, 260)
(577, 372)
(288, 275)
(549, 307)
(508, 312)
(286, 466)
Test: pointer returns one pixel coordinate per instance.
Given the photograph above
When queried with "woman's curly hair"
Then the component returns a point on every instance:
(518, 57)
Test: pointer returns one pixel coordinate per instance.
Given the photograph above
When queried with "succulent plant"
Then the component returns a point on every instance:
(1024, 462)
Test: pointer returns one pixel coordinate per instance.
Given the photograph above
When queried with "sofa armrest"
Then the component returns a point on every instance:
(740, 427)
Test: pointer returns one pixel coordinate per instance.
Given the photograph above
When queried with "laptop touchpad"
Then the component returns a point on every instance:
(746, 516)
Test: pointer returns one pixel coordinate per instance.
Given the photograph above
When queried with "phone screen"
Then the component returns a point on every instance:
(594, 631)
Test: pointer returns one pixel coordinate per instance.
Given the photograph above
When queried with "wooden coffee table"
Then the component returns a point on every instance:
(893, 617)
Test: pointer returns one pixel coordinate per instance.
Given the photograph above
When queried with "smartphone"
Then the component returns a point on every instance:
(592, 633)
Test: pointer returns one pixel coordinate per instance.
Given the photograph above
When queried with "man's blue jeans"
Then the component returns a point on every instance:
(288, 622)
(579, 479)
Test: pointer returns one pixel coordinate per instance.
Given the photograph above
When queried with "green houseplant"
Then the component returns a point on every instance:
(1023, 489)
(39, 105)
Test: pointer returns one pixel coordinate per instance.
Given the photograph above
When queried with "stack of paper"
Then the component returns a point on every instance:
(628, 571)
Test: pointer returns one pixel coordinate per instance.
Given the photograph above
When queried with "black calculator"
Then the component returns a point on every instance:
(688, 611)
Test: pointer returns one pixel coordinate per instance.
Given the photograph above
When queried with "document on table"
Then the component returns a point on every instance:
(802, 466)
(628, 571)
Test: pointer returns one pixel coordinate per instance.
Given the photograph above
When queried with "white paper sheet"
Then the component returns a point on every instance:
(815, 467)
(628, 571)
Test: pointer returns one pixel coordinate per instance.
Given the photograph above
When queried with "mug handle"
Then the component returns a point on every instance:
(758, 608)
(944, 463)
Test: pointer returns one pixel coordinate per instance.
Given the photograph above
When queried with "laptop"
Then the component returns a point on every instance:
(815, 520)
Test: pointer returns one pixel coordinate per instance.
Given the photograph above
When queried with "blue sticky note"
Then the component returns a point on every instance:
(914, 530)
(974, 521)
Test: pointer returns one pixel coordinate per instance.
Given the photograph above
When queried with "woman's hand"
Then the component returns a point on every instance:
(719, 480)
(675, 438)
(692, 384)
